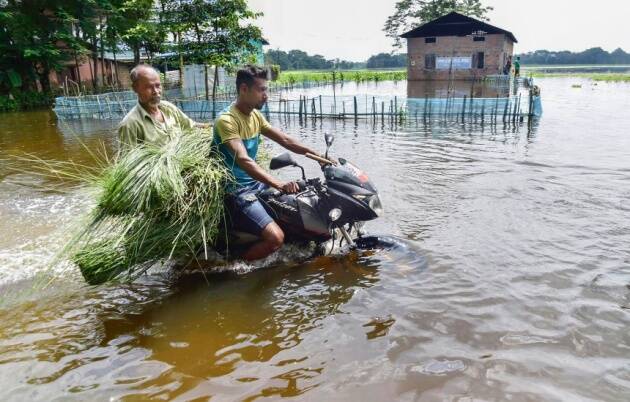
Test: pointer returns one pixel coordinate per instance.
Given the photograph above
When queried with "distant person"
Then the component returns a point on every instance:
(152, 120)
(517, 67)
(507, 69)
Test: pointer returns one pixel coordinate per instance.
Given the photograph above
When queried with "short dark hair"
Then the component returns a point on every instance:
(247, 74)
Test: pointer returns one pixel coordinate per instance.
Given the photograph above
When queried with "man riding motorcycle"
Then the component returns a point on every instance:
(237, 132)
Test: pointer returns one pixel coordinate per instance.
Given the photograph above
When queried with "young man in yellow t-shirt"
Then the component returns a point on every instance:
(237, 132)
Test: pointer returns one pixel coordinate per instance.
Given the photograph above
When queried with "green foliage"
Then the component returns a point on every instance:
(24, 100)
(215, 32)
(275, 72)
(410, 14)
(300, 60)
(386, 60)
(35, 38)
(39, 36)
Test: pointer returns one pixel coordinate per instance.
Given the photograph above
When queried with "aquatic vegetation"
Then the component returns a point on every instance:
(325, 77)
(601, 77)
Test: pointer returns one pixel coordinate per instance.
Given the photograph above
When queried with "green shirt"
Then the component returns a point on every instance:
(138, 126)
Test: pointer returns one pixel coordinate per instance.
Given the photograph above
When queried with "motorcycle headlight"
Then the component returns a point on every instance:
(334, 214)
(375, 205)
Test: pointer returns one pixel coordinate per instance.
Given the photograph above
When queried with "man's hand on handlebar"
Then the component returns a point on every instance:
(290, 187)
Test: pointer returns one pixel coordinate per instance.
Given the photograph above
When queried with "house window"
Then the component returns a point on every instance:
(430, 40)
(479, 38)
(479, 60)
(429, 61)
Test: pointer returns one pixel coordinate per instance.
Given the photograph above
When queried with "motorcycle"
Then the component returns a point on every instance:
(329, 212)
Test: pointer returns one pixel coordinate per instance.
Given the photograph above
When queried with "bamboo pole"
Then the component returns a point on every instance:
(300, 107)
(505, 110)
(321, 110)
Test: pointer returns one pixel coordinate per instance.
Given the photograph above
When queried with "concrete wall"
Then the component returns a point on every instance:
(85, 72)
(496, 48)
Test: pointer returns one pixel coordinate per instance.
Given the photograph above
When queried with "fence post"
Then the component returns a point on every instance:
(321, 110)
(496, 108)
(505, 110)
(374, 107)
(300, 113)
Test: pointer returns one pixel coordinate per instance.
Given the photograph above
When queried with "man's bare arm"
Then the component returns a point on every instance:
(254, 170)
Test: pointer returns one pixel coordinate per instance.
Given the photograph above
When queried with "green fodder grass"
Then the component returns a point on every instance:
(154, 203)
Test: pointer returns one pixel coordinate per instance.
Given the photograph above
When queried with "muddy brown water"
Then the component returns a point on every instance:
(510, 278)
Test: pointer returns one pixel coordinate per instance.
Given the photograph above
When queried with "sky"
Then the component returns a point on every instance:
(352, 29)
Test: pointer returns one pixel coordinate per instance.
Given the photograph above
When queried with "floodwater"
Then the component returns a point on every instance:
(408, 89)
(510, 279)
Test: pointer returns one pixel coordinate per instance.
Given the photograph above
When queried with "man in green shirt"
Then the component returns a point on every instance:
(517, 67)
(152, 120)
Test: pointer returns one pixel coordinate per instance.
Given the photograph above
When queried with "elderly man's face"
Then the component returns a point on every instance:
(148, 87)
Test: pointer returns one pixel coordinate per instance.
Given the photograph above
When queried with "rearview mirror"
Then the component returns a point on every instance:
(282, 160)
(329, 138)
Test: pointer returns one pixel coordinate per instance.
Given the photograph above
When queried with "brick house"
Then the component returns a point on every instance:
(457, 47)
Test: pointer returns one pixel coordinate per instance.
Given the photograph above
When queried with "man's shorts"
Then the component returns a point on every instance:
(247, 214)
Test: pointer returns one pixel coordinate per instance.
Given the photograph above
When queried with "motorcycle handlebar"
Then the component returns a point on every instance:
(320, 159)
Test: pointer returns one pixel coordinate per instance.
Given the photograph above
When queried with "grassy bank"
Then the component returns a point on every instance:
(601, 77)
(300, 76)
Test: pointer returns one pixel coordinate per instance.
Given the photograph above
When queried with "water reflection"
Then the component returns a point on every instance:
(174, 334)
(455, 89)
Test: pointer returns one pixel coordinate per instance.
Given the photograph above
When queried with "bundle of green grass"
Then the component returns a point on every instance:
(154, 203)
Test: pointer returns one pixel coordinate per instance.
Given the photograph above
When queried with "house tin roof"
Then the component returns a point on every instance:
(455, 24)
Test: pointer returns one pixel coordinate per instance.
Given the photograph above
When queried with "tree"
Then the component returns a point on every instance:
(386, 60)
(139, 28)
(412, 13)
(218, 33)
(36, 37)
(594, 55)
(298, 60)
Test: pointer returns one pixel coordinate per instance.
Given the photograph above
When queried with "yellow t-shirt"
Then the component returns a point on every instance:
(233, 124)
